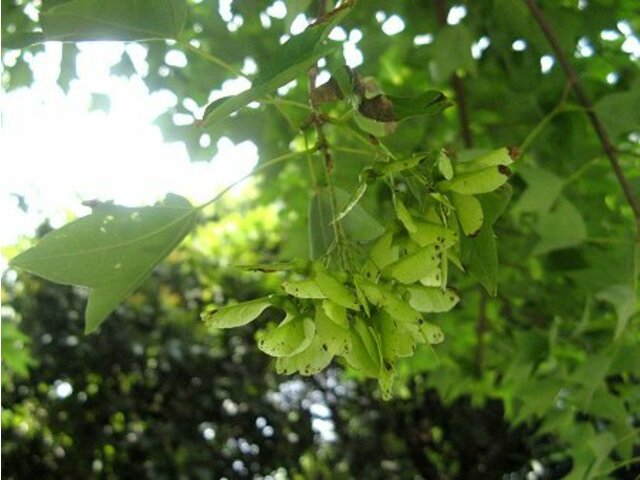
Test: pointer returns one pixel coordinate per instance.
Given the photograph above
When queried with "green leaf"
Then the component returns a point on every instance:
(358, 223)
(412, 268)
(329, 340)
(620, 112)
(432, 333)
(514, 18)
(292, 60)
(223, 107)
(293, 10)
(336, 312)
(563, 227)
(236, 315)
(395, 339)
(432, 299)
(333, 289)
(364, 354)
(480, 256)
(452, 52)
(494, 203)
(310, 361)
(469, 213)
(362, 298)
(624, 300)
(601, 445)
(383, 251)
(404, 216)
(334, 339)
(110, 251)
(340, 72)
(303, 289)
(429, 103)
(543, 189)
(373, 127)
(399, 310)
(445, 166)
(373, 292)
(479, 181)
(397, 166)
(20, 40)
(540, 395)
(389, 301)
(501, 156)
(16, 354)
(386, 378)
(380, 114)
(429, 233)
(321, 229)
(125, 20)
(292, 336)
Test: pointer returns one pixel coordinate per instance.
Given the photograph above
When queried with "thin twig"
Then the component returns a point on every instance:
(584, 99)
(268, 99)
(323, 147)
(258, 169)
(210, 57)
(558, 109)
(463, 113)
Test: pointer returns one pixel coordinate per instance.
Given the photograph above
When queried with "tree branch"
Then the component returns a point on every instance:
(463, 115)
(456, 84)
(482, 325)
(416, 441)
(583, 98)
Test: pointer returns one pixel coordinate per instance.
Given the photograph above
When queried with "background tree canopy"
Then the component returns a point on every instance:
(385, 214)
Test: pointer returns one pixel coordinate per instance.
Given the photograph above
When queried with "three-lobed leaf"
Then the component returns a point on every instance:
(111, 251)
(292, 60)
(124, 20)
(562, 227)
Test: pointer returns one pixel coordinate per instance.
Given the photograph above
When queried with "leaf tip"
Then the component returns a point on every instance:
(91, 324)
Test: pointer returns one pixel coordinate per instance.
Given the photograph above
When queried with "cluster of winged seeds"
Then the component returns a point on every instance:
(381, 310)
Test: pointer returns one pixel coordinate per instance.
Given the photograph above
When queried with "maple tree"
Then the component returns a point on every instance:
(395, 198)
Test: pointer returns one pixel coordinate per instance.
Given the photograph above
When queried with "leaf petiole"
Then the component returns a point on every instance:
(264, 166)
